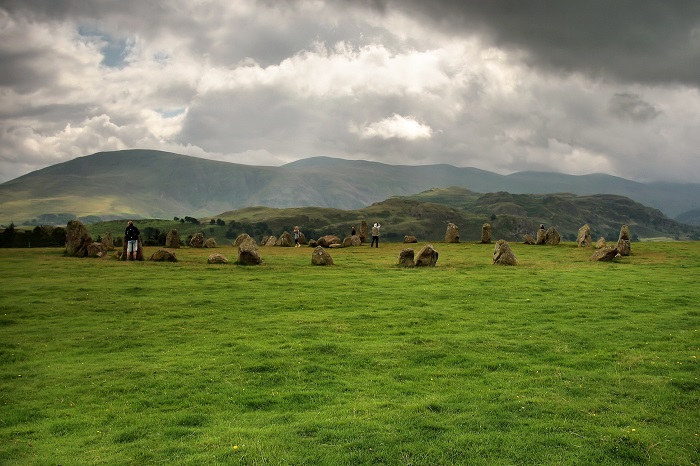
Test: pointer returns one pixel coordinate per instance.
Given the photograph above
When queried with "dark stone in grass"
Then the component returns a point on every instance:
(624, 245)
(486, 233)
(197, 240)
(584, 236)
(96, 250)
(320, 257)
(604, 254)
(210, 243)
(528, 239)
(172, 239)
(552, 236)
(406, 258)
(326, 241)
(77, 239)
(427, 256)
(410, 239)
(248, 253)
(285, 240)
(353, 240)
(242, 237)
(217, 259)
(452, 233)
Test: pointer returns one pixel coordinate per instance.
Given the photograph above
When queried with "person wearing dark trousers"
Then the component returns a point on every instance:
(375, 235)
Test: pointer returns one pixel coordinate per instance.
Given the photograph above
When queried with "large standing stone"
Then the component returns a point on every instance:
(452, 233)
(210, 243)
(486, 233)
(108, 241)
(248, 253)
(624, 242)
(503, 254)
(364, 232)
(172, 240)
(242, 237)
(139, 251)
(541, 235)
(406, 258)
(197, 240)
(604, 254)
(410, 239)
(319, 256)
(77, 239)
(427, 256)
(96, 250)
(285, 240)
(326, 241)
(163, 255)
(553, 236)
(270, 241)
(217, 258)
(584, 236)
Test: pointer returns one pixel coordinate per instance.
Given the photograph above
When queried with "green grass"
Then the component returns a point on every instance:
(558, 361)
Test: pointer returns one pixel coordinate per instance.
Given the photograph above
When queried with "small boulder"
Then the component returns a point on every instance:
(248, 253)
(96, 250)
(319, 256)
(313, 243)
(172, 239)
(503, 254)
(406, 258)
(584, 236)
(486, 233)
(604, 254)
(600, 243)
(163, 255)
(353, 240)
(285, 240)
(427, 256)
(528, 239)
(197, 240)
(217, 258)
(410, 239)
(452, 233)
(326, 241)
(210, 243)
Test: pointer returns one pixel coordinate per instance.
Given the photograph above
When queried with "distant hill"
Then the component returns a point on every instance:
(154, 184)
(426, 215)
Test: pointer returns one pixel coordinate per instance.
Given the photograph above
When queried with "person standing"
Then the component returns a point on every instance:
(131, 235)
(353, 232)
(375, 235)
(297, 234)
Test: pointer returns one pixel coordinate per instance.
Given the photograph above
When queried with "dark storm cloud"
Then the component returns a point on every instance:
(643, 41)
(628, 106)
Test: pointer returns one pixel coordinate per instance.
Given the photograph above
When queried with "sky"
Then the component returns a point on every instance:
(571, 86)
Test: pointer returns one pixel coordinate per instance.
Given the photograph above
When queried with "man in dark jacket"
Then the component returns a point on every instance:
(131, 236)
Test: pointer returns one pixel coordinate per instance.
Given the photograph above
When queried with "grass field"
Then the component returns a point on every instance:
(557, 361)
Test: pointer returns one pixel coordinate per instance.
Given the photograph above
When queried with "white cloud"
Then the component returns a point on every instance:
(394, 127)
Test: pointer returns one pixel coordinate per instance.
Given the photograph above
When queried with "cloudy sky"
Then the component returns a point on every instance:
(502, 85)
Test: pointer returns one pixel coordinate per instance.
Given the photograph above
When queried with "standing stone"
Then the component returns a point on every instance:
(604, 254)
(139, 251)
(528, 239)
(217, 258)
(108, 241)
(541, 235)
(96, 250)
(503, 254)
(410, 239)
(364, 232)
(270, 241)
(210, 243)
(285, 240)
(600, 243)
(172, 240)
(353, 240)
(77, 239)
(486, 233)
(624, 243)
(320, 257)
(406, 258)
(302, 238)
(242, 237)
(553, 236)
(248, 253)
(427, 256)
(584, 236)
(197, 240)
(452, 233)
(163, 255)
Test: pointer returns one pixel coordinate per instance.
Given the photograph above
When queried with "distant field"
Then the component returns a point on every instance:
(558, 361)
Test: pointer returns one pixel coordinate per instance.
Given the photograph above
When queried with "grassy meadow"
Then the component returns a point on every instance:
(557, 361)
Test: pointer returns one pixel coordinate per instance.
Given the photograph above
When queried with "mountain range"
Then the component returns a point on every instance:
(155, 184)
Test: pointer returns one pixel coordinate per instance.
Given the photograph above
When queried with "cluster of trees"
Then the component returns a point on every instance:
(41, 236)
(187, 219)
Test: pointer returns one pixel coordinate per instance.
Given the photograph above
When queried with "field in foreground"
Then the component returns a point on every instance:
(557, 361)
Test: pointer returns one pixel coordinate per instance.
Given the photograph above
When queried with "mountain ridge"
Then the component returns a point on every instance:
(142, 183)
